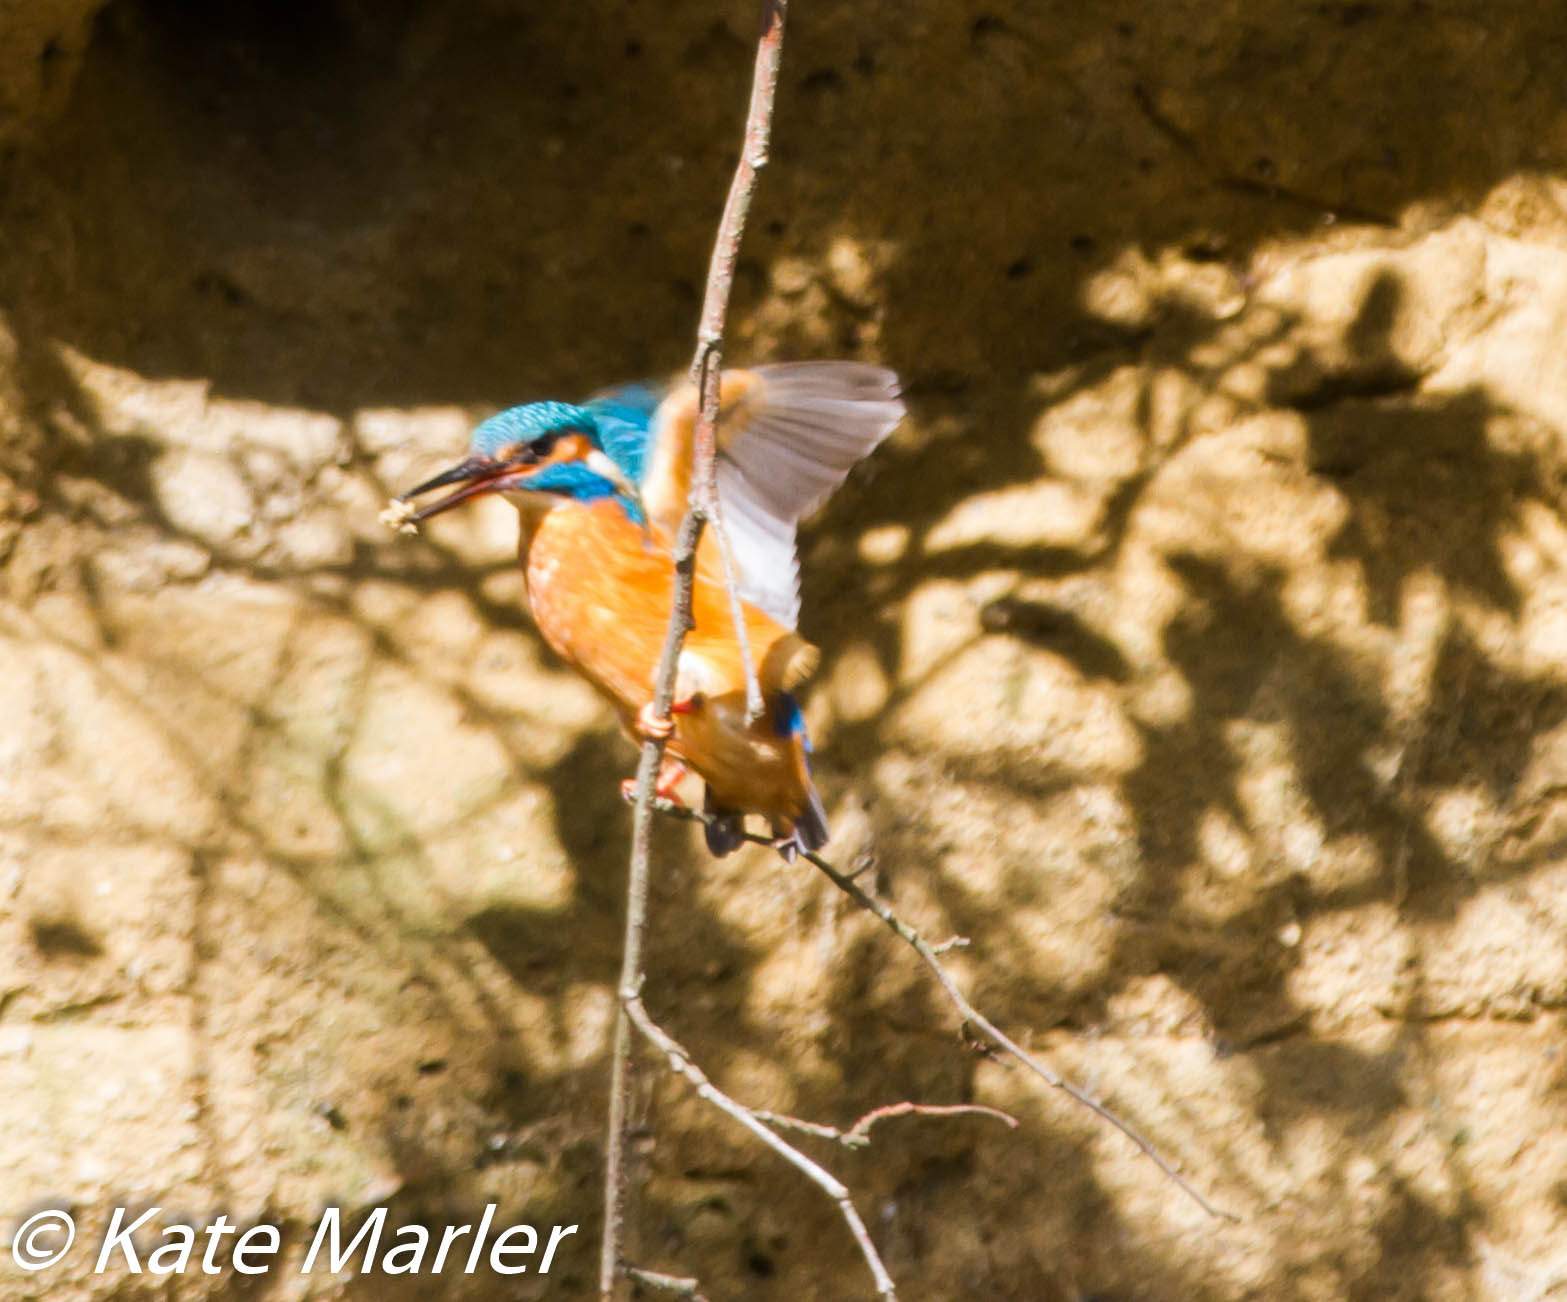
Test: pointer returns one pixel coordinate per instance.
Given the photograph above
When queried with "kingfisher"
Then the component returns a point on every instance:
(601, 487)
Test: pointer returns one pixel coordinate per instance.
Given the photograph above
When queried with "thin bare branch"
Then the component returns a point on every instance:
(753, 686)
(783, 1121)
(971, 1015)
(682, 1064)
(706, 369)
(859, 1134)
(636, 908)
(1003, 1041)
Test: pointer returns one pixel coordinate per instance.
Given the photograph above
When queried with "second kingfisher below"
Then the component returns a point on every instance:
(601, 488)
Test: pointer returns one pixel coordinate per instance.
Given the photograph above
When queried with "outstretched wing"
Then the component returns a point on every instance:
(814, 420)
(788, 434)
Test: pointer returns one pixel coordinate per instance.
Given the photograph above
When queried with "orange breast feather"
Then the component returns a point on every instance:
(600, 589)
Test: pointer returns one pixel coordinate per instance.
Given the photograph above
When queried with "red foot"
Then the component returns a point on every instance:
(653, 728)
(669, 777)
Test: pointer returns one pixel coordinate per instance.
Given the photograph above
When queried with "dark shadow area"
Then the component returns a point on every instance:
(346, 205)
(1061, 631)
(57, 938)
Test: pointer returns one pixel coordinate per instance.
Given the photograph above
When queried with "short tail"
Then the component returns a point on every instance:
(724, 830)
(810, 831)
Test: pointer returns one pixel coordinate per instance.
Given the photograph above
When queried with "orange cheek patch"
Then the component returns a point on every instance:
(569, 447)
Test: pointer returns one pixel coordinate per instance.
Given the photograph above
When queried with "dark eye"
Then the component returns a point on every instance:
(540, 447)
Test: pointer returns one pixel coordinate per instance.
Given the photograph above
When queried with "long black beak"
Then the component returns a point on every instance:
(478, 475)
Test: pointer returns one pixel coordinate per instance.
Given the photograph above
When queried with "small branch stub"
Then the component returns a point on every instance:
(683, 1065)
(676, 1285)
(859, 1134)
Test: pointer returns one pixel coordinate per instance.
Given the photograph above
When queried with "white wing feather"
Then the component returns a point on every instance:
(814, 421)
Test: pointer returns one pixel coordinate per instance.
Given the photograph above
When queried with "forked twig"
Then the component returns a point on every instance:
(681, 1062)
(930, 955)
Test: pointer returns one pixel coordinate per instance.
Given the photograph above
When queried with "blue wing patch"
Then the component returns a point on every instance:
(810, 830)
(788, 721)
